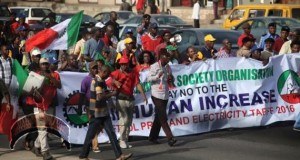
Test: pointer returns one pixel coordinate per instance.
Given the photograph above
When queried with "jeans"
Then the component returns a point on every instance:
(94, 128)
(160, 119)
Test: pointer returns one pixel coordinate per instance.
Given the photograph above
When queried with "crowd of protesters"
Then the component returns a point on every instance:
(103, 54)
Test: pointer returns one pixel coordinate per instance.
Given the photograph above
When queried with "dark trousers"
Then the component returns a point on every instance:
(94, 128)
(30, 137)
(196, 23)
(160, 119)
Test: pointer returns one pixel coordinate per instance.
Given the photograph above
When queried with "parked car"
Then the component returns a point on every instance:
(243, 12)
(259, 25)
(161, 19)
(195, 37)
(161, 29)
(4, 13)
(33, 14)
(104, 17)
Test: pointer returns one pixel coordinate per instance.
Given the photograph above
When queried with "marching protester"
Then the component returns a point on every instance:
(145, 59)
(86, 88)
(174, 57)
(5, 66)
(43, 100)
(121, 44)
(125, 80)
(14, 49)
(19, 23)
(190, 56)
(286, 47)
(196, 12)
(142, 29)
(100, 117)
(226, 50)
(109, 39)
(79, 46)
(271, 34)
(8, 31)
(247, 33)
(295, 46)
(245, 51)
(94, 45)
(208, 51)
(284, 34)
(113, 22)
(128, 53)
(166, 41)
(152, 39)
(160, 76)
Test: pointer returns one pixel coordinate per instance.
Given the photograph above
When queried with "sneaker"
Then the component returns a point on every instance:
(171, 142)
(154, 141)
(124, 145)
(125, 156)
(82, 157)
(296, 129)
(97, 150)
(37, 151)
(47, 155)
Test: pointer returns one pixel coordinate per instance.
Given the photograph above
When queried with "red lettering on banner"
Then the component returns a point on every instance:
(133, 127)
(146, 125)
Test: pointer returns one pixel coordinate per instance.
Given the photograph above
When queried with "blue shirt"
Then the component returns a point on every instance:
(264, 37)
(92, 47)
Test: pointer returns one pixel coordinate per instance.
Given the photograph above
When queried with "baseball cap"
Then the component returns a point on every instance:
(35, 52)
(123, 60)
(128, 40)
(44, 60)
(129, 30)
(153, 25)
(209, 37)
(99, 25)
(21, 28)
(53, 60)
(171, 48)
(93, 64)
(21, 15)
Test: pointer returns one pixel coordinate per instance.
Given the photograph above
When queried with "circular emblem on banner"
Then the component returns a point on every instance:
(288, 86)
(75, 110)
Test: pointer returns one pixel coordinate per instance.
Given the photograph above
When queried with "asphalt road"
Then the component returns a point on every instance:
(276, 142)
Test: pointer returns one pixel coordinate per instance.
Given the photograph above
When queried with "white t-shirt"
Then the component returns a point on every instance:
(196, 11)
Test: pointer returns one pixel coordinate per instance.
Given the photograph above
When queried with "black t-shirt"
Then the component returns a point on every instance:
(116, 28)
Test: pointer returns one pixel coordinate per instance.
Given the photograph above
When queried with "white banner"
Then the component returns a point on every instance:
(216, 94)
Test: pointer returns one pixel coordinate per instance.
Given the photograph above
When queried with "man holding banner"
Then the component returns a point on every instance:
(160, 76)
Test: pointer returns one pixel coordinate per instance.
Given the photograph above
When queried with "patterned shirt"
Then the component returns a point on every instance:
(98, 86)
(223, 54)
(6, 70)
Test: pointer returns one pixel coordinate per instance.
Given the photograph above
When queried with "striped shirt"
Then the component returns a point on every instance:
(6, 70)
(100, 107)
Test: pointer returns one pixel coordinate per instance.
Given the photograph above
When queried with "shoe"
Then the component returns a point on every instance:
(296, 129)
(154, 141)
(28, 145)
(171, 142)
(47, 155)
(97, 150)
(85, 158)
(125, 145)
(37, 152)
(125, 156)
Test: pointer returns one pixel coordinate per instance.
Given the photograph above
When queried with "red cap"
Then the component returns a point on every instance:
(123, 60)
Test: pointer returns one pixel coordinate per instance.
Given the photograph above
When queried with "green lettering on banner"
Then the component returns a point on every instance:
(230, 75)
(237, 75)
(218, 75)
(254, 74)
(224, 74)
(191, 79)
(259, 74)
(185, 80)
(199, 78)
(179, 82)
(244, 74)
